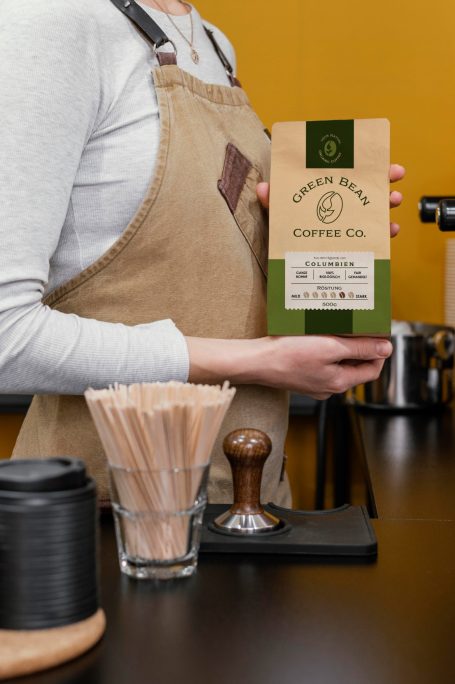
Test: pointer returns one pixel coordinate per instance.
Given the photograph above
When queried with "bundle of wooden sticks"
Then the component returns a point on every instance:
(158, 438)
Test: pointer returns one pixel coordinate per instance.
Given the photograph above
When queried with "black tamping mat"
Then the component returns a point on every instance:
(332, 533)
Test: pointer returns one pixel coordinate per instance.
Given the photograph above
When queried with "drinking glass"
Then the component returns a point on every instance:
(158, 519)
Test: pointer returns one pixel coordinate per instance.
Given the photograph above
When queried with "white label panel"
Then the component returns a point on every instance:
(329, 281)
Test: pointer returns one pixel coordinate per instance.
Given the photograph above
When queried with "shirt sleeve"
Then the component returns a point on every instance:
(50, 94)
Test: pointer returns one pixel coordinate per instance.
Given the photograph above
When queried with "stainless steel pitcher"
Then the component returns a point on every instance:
(418, 375)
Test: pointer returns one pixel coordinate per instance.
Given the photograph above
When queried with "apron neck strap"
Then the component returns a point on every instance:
(144, 22)
(157, 37)
(223, 59)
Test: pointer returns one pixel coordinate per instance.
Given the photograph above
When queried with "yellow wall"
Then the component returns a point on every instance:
(316, 59)
(307, 59)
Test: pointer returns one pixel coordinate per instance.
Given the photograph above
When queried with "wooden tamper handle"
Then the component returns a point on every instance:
(247, 451)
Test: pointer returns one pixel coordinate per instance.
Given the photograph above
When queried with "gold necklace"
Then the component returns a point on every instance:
(194, 53)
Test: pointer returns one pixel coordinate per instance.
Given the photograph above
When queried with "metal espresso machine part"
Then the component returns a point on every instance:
(418, 375)
(438, 209)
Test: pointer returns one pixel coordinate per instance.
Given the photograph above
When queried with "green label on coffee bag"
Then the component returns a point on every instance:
(330, 144)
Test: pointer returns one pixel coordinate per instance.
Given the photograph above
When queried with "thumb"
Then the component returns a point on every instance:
(363, 348)
(263, 192)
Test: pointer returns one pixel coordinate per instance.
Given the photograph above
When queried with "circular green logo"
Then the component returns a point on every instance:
(330, 148)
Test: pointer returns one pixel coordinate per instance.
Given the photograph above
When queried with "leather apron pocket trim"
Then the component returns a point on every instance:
(238, 187)
(235, 170)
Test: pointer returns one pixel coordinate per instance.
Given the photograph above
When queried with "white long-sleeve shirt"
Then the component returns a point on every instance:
(79, 133)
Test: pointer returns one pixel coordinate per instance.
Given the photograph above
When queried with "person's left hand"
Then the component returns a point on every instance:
(396, 173)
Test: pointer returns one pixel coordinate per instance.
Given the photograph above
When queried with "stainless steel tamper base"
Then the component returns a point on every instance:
(247, 450)
(247, 523)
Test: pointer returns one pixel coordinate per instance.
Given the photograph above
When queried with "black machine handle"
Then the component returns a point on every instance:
(428, 211)
(445, 214)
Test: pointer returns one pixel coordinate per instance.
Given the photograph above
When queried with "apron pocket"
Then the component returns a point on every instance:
(238, 186)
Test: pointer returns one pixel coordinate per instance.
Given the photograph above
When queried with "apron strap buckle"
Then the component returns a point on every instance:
(166, 58)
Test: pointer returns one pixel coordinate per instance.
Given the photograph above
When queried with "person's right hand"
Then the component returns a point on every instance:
(317, 366)
(320, 366)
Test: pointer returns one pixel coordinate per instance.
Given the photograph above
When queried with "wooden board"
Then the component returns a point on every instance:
(25, 652)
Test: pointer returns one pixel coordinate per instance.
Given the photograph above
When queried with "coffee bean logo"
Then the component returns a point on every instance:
(329, 207)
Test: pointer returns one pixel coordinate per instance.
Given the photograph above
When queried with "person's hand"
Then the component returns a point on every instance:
(396, 173)
(320, 366)
(317, 366)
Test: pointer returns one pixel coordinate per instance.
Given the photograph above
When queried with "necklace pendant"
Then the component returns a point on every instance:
(194, 56)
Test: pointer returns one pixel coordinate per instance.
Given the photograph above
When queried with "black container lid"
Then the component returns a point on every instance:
(42, 475)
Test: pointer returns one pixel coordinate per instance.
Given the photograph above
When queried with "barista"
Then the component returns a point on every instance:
(113, 271)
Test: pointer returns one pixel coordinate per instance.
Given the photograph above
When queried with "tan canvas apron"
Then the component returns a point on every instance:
(195, 252)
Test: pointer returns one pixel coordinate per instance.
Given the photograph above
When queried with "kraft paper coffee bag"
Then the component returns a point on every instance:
(329, 248)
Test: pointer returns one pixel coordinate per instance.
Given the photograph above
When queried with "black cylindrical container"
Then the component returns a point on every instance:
(48, 544)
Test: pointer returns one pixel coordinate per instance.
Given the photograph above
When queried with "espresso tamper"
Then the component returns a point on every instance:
(247, 450)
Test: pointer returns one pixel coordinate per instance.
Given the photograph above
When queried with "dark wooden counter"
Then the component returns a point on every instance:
(250, 620)
(268, 620)
(411, 463)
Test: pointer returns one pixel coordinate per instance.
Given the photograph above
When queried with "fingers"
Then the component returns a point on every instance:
(396, 172)
(394, 229)
(350, 376)
(396, 199)
(263, 193)
(361, 348)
